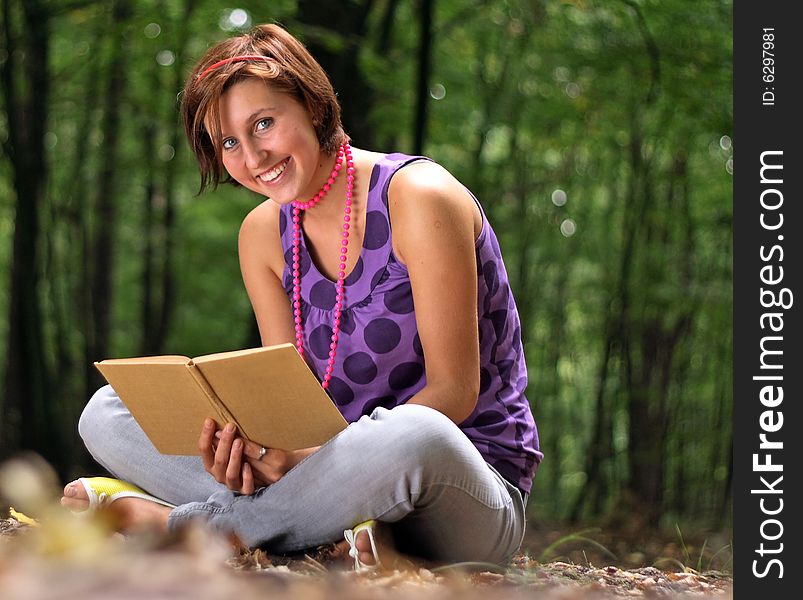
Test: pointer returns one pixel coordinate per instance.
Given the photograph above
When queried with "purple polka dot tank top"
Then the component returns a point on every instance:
(380, 361)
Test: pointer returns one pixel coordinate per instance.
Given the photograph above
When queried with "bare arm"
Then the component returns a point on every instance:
(230, 459)
(435, 222)
(261, 264)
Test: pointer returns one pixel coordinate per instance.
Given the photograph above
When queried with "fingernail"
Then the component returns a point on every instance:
(230, 428)
(208, 423)
(237, 444)
(69, 492)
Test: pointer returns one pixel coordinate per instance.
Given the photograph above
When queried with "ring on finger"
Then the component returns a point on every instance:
(262, 452)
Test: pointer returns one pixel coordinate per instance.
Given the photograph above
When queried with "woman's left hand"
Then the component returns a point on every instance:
(239, 463)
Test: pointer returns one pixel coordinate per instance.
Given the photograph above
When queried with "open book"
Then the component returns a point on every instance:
(270, 393)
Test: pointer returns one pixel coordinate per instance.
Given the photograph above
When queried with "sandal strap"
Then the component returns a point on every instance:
(351, 537)
(102, 491)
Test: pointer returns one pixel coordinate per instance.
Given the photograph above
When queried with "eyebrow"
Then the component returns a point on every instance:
(251, 117)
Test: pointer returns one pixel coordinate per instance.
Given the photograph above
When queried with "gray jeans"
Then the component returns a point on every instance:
(410, 467)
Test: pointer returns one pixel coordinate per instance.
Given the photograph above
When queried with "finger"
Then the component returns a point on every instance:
(235, 466)
(205, 444)
(263, 473)
(248, 480)
(253, 450)
(223, 453)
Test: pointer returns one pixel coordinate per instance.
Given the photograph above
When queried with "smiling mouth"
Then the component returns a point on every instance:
(272, 174)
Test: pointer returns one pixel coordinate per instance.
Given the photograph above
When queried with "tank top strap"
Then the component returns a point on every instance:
(377, 244)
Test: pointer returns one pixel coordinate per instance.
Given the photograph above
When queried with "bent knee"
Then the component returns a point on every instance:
(97, 414)
(421, 432)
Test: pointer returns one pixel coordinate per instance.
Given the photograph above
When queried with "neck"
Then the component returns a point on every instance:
(330, 208)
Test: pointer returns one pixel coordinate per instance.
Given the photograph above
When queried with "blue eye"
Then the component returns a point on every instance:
(263, 124)
(229, 143)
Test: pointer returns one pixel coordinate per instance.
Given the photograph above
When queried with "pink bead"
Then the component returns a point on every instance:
(343, 152)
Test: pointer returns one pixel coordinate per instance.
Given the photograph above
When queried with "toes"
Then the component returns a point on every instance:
(74, 503)
(367, 558)
(75, 497)
(363, 542)
(75, 490)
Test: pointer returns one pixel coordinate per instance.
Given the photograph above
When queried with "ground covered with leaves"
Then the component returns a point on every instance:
(67, 557)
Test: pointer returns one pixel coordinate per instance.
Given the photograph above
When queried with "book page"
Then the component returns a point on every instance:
(168, 359)
(274, 396)
(164, 399)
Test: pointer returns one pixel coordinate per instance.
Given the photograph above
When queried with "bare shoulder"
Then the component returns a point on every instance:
(426, 190)
(425, 178)
(259, 237)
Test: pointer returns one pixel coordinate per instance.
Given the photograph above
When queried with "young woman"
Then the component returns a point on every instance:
(385, 273)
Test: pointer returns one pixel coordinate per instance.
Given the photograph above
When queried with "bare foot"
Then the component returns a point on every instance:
(363, 544)
(130, 514)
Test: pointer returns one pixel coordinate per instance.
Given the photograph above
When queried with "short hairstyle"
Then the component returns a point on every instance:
(292, 69)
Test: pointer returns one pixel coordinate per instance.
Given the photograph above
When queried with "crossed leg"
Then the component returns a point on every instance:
(409, 467)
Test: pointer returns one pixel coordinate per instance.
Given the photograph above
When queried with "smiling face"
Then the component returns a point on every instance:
(269, 143)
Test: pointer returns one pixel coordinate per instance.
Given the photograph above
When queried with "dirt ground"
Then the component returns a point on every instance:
(79, 558)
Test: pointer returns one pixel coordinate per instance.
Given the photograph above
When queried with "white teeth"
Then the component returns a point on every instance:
(269, 176)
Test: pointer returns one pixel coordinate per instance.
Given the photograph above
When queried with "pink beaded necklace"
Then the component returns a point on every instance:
(298, 206)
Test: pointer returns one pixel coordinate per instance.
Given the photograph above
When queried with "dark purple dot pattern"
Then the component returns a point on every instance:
(322, 295)
(360, 367)
(380, 359)
(382, 335)
(377, 230)
(399, 300)
(405, 375)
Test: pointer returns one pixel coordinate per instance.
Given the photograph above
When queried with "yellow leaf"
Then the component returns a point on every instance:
(22, 518)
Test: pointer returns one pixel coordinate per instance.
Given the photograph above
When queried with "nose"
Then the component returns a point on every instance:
(253, 155)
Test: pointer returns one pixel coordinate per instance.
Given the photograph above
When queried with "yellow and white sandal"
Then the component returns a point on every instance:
(351, 538)
(102, 491)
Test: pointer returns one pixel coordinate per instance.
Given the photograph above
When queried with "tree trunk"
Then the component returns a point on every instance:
(159, 314)
(103, 237)
(424, 70)
(353, 91)
(25, 409)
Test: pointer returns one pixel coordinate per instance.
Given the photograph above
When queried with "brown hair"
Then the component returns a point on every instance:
(292, 70)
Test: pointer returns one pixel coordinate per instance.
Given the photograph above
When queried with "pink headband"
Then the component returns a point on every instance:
(232, 59)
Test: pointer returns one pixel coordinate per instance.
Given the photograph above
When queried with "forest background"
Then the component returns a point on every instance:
(596, 133)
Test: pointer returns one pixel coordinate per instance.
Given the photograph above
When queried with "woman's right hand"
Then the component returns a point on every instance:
(236, 462)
